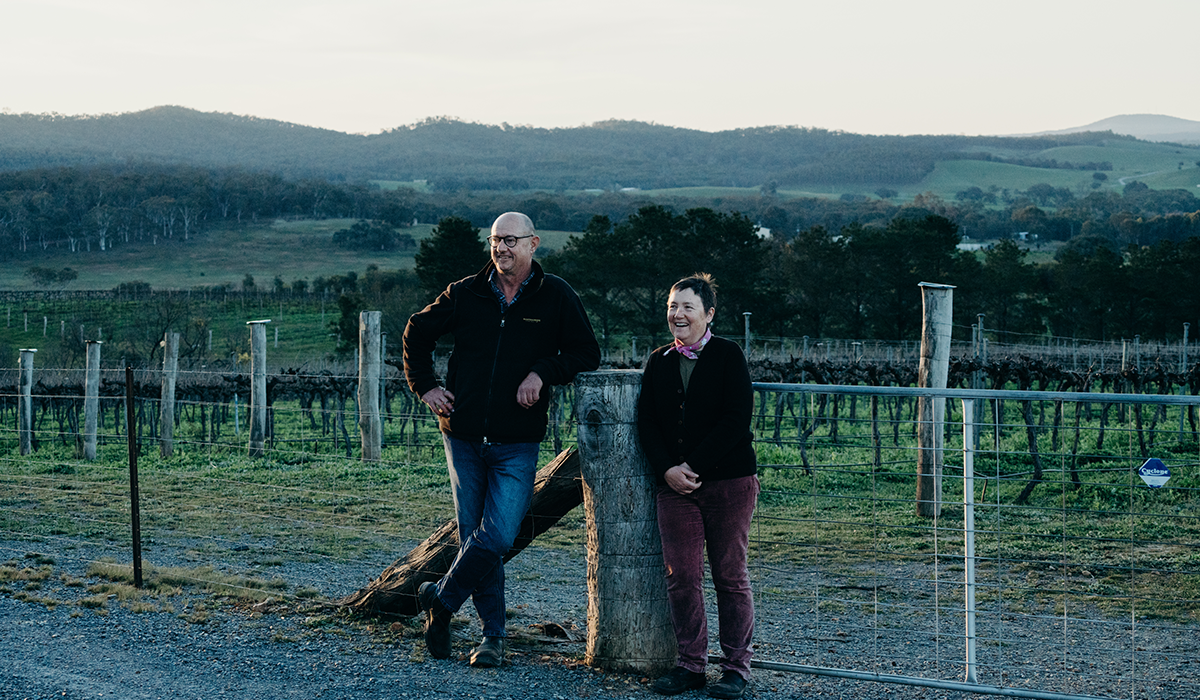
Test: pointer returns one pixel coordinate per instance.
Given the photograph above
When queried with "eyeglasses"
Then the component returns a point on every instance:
(509, 241)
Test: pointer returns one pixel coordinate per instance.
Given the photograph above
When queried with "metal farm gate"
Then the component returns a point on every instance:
(1062, 561)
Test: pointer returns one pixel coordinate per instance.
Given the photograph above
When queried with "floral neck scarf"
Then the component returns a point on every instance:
(690, 351)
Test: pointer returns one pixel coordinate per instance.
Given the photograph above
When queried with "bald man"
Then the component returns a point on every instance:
(516, 331)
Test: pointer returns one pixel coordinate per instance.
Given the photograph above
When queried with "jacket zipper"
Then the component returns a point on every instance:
(487, 413)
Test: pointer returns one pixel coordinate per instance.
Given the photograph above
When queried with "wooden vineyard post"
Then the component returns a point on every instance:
(258, 387)
(25, 402)
(629, 624)
(166, 413)
(369, 425)
(933, 372)
(91, 399)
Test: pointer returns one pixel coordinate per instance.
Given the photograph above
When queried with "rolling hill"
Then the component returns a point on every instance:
(453, 156)
(1148, 127)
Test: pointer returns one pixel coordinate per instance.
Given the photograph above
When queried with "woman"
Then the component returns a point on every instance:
(694, 418)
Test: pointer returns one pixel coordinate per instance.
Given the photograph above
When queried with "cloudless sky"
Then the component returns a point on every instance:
(865, 66)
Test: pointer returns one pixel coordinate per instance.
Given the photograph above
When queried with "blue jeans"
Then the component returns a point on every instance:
(492, 485)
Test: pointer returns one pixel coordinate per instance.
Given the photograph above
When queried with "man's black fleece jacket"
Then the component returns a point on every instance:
(708, 426)
(545, 331)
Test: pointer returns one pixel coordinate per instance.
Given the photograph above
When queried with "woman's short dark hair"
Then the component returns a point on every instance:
(702, 285)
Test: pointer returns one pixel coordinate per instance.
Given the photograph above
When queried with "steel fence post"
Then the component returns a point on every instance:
(969, 533)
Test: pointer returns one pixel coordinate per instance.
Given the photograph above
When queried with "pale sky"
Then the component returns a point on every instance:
(363, 66)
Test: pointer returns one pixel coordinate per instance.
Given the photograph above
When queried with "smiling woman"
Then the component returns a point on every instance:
(694, 422)
(688, 315)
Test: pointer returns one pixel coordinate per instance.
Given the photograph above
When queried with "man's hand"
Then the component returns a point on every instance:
(682, 479)
(530, 390)
(439, 401)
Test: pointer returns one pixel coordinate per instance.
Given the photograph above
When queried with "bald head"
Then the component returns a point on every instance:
(512, 223)
(513, 243)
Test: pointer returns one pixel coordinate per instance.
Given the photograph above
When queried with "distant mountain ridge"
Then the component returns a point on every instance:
(453, 155)
(1148, 127)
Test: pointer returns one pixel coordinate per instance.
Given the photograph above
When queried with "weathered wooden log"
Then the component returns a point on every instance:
(629, 623)
(556, 492)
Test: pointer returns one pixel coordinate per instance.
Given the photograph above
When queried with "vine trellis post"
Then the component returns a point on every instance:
(91, 399)
(258, 387)
(369, 369)
(166, 415)
(25, 402)
(933, 372)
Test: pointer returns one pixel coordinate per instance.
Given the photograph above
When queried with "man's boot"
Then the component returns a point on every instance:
(437, 621)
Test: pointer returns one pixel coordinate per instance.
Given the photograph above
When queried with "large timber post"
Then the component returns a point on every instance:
(258, 387)
(629, 624)
(25, 401)
(91, 399)
(934, 370)
(166, 407)
(369, 365)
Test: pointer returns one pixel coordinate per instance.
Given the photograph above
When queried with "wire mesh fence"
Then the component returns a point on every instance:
(1086, 579)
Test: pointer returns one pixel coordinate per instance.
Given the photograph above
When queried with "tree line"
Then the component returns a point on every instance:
(859, 283)
(92, 209)
(828, 268)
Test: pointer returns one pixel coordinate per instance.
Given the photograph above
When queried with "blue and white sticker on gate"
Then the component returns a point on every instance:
(1154, 472)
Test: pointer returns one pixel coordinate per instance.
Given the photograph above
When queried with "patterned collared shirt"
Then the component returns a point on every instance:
(504, 303)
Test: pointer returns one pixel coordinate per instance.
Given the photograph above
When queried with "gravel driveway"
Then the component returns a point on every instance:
(207, 647)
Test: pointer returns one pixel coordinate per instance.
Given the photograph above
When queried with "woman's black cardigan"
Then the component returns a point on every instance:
(709, 428)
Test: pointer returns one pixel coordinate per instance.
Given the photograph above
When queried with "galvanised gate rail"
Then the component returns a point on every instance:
(1052, 570)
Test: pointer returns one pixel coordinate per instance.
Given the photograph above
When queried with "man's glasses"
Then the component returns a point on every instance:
(509, 241)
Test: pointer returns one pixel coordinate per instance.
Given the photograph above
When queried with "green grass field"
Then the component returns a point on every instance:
(1158, 165)
(1103, 542)
(950, 177)
(291, 250)
(418, 185)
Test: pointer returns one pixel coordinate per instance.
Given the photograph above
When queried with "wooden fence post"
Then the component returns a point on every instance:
(25, 403)
(629, 624)
(258, 387)
(91, 399)
(933, 372)
(166, 413)
(369, 426)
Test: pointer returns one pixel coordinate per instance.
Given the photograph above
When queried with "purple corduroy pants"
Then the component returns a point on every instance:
(717, 516)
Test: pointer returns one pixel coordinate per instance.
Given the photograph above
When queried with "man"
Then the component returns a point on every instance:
(516, 331)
